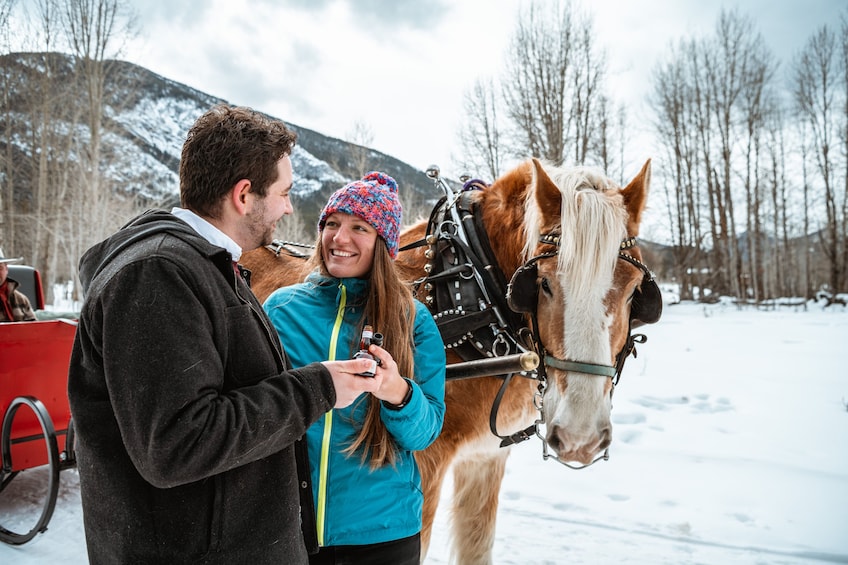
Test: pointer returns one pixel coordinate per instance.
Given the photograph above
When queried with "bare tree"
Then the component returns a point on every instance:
(755, 106)
(294, 228)
(5, 11)
(609, 138)
(843, 134)
(95, 31)
(712, 102)
(361, 137)
(674, 101)
(480, 137)
(724, 59)
(816, 80)
(41, 94)
(552, 83)
(808, 291)
(589, 106)
(6, 158)
(783, 266)
(60, 204)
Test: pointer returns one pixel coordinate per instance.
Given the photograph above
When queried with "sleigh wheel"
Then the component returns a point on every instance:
(16, 509)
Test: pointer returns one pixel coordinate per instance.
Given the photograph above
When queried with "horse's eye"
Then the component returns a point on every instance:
(545, 286)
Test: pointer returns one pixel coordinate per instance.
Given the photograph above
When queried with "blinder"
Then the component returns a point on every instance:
(646, 305)
(522, 293)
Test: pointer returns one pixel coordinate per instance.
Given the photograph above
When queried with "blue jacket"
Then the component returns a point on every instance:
(318, 320)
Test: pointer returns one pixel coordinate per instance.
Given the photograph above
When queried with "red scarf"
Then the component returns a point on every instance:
(4, 299)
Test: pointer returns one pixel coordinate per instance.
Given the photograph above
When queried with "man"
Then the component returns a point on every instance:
(187, 415)
(14, 305)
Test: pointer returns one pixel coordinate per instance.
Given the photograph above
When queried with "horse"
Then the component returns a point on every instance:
(545, 262)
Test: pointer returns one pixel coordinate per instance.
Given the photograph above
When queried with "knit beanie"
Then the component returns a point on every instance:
(375, 200)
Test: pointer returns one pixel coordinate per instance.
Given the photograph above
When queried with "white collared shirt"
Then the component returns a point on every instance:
(209, 232)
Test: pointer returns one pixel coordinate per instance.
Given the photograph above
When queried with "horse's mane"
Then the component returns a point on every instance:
(593, 220)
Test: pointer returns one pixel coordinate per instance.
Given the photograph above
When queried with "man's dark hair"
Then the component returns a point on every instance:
(225, 145)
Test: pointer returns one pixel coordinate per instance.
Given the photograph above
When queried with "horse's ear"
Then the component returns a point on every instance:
(636, 195)
(548, 196)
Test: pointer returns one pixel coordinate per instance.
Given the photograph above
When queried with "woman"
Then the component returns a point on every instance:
(366, 484)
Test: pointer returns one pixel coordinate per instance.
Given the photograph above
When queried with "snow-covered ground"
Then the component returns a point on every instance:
(730, 446)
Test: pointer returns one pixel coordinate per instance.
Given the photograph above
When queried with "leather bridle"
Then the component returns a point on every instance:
(478, 315)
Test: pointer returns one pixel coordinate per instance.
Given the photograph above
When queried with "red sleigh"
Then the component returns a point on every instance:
(37, 429)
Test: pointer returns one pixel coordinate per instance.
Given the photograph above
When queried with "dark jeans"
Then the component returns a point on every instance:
(406, 551)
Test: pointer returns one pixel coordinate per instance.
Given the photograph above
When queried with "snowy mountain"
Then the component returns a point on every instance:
(145, 119)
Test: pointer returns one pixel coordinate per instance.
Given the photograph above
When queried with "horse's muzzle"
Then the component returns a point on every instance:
(570, 447)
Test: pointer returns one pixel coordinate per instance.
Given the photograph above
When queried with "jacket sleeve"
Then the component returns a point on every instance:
(418, 424)
(197, 387)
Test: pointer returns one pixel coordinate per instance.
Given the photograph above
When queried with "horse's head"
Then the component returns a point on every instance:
(581, 279)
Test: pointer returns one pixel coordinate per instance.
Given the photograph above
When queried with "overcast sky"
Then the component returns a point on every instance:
(401, 67)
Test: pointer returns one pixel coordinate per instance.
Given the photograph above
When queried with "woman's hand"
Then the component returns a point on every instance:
(393, 388)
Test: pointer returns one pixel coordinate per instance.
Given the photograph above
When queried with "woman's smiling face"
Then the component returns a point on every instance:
(348, 244)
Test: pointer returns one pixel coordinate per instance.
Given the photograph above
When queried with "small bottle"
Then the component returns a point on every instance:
(364, 343)
(365, 340)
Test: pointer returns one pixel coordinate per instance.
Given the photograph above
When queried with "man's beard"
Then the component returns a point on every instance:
(260, 232)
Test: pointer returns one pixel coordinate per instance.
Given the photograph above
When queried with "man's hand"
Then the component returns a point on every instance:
(348, 385)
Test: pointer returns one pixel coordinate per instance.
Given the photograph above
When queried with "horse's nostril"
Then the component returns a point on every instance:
(605, 439)
(555, 442)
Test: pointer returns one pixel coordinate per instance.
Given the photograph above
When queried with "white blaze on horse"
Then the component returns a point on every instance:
(542, 263)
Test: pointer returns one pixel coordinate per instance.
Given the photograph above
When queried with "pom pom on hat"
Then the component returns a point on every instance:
(375, 200)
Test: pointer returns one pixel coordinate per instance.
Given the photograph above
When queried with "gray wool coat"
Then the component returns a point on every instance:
(187, 414)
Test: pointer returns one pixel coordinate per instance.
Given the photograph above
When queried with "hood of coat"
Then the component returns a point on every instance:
(146, 225)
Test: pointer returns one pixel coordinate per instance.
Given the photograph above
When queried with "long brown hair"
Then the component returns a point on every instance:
(390, 309)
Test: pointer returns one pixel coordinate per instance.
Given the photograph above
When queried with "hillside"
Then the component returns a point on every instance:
(145, 120)
(146, 117)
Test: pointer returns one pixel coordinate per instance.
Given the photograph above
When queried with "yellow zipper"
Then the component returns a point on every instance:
(328, 428)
